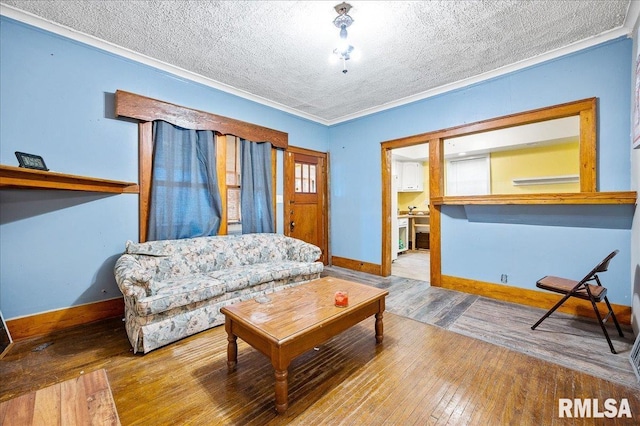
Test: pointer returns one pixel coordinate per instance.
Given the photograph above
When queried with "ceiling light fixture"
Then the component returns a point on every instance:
(342, 21)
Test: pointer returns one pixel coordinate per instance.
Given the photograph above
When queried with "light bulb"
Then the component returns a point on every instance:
(343, 46)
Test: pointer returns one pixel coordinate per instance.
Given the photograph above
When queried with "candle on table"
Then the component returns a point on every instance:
(342, 298)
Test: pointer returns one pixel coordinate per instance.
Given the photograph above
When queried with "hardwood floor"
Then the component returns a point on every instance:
(85, 400)
(420, 374)
(413, 264)
(563, 339)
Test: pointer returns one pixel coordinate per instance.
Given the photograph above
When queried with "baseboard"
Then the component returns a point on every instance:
(535, 298)
(356, 265)
(47, 322)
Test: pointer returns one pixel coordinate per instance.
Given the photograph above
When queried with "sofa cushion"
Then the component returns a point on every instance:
(251, 275)
(179, 291)
(168, 258)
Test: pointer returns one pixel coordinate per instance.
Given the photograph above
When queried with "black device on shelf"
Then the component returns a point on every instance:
(31, 161)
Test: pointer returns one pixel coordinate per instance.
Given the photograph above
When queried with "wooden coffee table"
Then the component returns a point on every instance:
(297, 319)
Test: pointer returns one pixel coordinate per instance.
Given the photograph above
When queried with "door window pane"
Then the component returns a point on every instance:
(306, 178)
(312, 178)
(298, 172)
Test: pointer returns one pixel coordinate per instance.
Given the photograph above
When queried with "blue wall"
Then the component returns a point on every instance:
(57, 248)
(566, 242)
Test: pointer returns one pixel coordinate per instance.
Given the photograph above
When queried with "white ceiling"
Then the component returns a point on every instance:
(277, 52)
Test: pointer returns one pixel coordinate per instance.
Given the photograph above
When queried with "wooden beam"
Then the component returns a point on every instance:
(147, 109)
(574, 198)
(386, 165)
(588, 148)
(145, 167)
(528, 117)
(436, 190)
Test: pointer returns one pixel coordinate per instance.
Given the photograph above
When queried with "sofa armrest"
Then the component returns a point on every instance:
(133, 280)
(301, 251)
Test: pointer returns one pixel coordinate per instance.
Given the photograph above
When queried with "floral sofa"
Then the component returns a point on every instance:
(175, 288)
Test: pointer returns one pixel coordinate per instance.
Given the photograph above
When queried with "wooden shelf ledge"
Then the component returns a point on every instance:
(21, 178)
(620, 197)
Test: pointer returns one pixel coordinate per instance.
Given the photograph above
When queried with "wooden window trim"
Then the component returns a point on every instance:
(588, 194)
(147, 110)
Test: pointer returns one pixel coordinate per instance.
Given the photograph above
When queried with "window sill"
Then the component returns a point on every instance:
(618, 197)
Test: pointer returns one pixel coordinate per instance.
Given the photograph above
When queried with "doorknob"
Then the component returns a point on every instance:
(292, 225)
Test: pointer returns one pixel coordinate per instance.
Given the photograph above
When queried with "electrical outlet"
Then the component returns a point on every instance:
(504, 278)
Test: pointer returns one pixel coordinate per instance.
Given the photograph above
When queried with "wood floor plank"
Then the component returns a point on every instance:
(3, 411)
(47, 407)
(100, 406)
(73, 399)
(19, 411)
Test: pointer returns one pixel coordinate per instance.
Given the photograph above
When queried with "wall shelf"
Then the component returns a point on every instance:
(619, 197)
(21, 178)
(546, 180)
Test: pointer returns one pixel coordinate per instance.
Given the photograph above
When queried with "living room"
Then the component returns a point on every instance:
(58, 248)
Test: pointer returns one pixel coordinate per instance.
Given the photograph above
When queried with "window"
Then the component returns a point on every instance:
(185, 197)
(532, 158)
(233, 177)
(468, 176)
(146, 110)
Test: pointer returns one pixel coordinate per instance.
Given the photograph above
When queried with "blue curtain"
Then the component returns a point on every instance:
(256, 192)
(185, 198)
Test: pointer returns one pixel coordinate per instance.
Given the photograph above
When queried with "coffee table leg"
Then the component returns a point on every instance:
(282, 391)
(232, 347)
(379, 327)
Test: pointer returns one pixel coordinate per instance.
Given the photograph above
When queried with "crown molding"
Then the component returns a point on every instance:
(62, 30)
(554, 54)
(633, 13)
(28, 18)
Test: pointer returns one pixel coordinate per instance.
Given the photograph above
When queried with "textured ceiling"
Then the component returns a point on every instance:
(280, 50)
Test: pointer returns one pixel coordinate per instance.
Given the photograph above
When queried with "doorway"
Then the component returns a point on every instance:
(410, 227)
(305, 197)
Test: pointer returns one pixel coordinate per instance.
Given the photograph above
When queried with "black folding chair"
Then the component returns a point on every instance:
(583, 290)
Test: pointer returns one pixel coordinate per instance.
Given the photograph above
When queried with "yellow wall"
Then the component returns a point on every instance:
(417, 199)
(554, 160)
